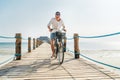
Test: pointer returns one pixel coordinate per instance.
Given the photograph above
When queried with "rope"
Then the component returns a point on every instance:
(6, 37)
(105, 64)
(100, 62)
(70, 38)
(7, 60)
(100, 36)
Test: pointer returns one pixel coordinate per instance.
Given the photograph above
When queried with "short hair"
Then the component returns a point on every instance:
(57, 13)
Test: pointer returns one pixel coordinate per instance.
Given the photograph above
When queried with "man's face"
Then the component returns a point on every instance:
(57, 16)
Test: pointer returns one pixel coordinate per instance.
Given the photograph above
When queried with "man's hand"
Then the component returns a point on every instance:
(50, 30)
(64, 30)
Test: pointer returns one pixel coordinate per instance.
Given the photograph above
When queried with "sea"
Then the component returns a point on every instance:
(7, 51)
(105, 53)
(111, 57)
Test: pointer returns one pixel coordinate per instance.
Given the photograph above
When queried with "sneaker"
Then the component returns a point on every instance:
(52, 57)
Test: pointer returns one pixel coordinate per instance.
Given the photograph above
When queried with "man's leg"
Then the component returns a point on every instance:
(52, 47)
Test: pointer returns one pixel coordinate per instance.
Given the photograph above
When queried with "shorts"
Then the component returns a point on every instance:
(52, 36)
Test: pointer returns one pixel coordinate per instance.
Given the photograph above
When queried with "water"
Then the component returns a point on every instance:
(105, 54)
(7, 50)
(112, 57)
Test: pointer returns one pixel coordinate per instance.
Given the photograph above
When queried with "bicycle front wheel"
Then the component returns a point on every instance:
(60, 54)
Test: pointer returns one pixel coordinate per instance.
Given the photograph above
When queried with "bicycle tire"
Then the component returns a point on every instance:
(56, 50)
(60, 54)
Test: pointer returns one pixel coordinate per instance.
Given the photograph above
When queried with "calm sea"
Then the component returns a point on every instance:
(109, 54)
(112, 57)
(7, 50)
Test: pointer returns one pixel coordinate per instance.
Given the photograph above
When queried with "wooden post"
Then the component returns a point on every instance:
(65, 40)
(29, 44)
(76, 46)
(18, 46)
(33, 43)
(39, 42)
(36, 43)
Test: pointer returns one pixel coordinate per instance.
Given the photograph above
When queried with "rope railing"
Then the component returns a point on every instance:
(6, 37)
(77, 53)
(86, 57)
(18, 45)
(99, 36)
(9, 59)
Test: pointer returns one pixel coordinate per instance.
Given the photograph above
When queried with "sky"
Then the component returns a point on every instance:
(85, 17)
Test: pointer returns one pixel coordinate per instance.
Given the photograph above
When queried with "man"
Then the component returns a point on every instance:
(57, 24)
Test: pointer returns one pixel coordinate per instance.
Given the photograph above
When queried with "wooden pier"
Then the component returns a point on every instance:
(38, 66)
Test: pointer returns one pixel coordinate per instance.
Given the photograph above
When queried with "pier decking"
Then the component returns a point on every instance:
(38, 66)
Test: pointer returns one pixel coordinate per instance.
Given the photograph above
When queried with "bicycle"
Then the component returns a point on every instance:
(59, 47)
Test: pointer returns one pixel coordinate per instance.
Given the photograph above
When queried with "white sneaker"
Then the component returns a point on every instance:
(52, 58)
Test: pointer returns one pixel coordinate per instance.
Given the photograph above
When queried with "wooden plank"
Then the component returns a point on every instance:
(37, 66)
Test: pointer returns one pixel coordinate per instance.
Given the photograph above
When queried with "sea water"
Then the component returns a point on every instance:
(7, 51)
(109, 56)
(112, 57)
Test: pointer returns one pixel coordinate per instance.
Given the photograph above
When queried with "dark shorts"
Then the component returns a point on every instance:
(52, 36)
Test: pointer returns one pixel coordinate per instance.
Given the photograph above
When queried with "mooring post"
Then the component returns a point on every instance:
(41, 42)
(29, 44)
(33, 43)
(18, 46)
(36, 43)
(76, 46)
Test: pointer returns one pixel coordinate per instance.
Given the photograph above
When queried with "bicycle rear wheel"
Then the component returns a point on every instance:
(60, 54)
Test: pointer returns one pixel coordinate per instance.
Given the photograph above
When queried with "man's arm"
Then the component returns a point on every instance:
(49, 24)
(63, 26)
(49, 28)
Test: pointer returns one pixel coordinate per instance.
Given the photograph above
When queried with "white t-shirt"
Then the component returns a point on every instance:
(56, 25)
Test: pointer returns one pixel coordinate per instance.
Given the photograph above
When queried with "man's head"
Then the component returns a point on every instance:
(57, 14)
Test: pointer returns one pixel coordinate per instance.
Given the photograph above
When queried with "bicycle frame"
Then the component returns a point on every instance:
(59, 46)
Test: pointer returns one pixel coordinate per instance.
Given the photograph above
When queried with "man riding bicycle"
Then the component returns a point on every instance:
(57, 24)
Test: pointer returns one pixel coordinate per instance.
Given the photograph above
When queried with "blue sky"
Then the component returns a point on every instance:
(86, 17)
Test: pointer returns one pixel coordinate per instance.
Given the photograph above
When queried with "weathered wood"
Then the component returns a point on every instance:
(18, 46)
(76, 46)
(36, 43)
(38, 66)
(33, 43)
(29, 44)
(40, 42)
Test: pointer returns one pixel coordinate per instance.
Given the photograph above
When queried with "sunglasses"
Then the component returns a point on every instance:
(58, 14)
